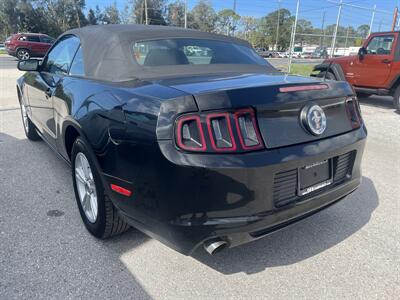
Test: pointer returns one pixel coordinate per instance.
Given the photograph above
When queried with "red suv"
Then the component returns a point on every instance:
(27, 45)
(375, 70)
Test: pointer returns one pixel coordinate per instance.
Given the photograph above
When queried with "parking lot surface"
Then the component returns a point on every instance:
(348, 251)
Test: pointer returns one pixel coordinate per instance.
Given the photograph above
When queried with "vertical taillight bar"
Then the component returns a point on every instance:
(249, 136)
(189, 134)
(353, 113)
(220, 131)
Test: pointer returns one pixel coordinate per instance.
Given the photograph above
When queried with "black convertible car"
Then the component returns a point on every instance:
(190, 137)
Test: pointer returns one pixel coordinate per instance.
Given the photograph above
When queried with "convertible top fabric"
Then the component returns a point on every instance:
(108, 56)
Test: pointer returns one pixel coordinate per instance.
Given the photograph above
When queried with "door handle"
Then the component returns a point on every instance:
(386, 61)
(48, 93)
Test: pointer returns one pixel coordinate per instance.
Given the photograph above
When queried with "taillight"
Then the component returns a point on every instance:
(220, 132)
(249, 135)
(190, 135)
(353, 112)
(235, 131)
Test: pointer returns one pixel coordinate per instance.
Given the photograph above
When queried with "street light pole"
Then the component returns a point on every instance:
(277, 25)
(145, 12)
(336, 28)
(293, 36)
(372, 20)
(322, 40)
(186, 9)
(347, 36)
(396, 12)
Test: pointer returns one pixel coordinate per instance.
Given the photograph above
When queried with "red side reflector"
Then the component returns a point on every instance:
(301, 88)
(121, 190)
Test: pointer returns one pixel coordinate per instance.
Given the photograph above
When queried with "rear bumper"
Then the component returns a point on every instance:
(188, 199)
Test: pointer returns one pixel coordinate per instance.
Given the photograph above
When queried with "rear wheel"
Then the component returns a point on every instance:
(396, 99)
(98, 213)
(23, 54)
(29, 128)
(327, 74)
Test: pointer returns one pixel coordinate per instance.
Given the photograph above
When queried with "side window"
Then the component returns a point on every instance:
(33, 38)
(381, 45)
(77, 65)
(60, 57)
(46, 39)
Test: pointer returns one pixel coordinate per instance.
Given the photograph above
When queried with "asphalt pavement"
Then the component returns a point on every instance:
(8, 62)
(348, 251)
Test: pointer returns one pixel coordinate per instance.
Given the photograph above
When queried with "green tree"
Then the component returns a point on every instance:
(176, 14)
(226, 21)
(91, 17)
(111, 15)
(155, 11)
(304, 27)
(363, 30)
(9, 16)
(268, 27)
(249, 24)
(203, 17)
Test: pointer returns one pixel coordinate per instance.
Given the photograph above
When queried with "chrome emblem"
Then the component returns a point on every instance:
(313, 119)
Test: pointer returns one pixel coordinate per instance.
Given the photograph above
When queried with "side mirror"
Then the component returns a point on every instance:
(362, 52)
(28, 65)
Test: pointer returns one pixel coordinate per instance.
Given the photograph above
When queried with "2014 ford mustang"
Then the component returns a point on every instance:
(190, 137)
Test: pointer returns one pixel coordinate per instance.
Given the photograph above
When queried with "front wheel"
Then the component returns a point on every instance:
(98, 213)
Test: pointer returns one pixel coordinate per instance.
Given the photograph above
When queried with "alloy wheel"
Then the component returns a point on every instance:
(86, 187)
(23, 54)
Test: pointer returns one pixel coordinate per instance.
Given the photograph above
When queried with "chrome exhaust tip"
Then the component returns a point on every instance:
(215, 245)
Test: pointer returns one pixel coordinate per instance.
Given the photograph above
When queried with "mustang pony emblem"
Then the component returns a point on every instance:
(316, 119)
(313, 119)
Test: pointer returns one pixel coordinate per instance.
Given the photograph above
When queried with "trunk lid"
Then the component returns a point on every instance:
(278, 113)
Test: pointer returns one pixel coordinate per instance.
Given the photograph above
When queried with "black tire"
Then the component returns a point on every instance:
(396, 99)
(23, 54)
(329, 75)
(29, 128)
(108, 222)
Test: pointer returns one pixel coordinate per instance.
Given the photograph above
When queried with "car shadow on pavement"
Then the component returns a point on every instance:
(49, 255)
(377, 101)
(303, 240)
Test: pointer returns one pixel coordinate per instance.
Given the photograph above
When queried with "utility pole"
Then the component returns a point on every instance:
(396, 11)
(293, 36)
(233, 21)
(277, 25)
(372, 20)
(322, 39)
(336, 28)
(347, 36)
(186, 10)
(145, 12)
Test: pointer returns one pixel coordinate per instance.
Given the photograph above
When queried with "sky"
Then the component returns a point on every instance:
(312, 10)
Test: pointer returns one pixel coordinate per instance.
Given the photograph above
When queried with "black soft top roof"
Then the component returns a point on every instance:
(107, 51)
